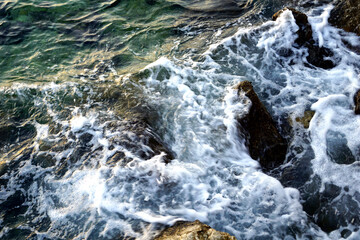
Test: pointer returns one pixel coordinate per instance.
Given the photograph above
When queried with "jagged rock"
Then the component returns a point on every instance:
(192, 230)
(305, 31)
(317, 56)
(346, 15)
(357, 102)
(261, 135)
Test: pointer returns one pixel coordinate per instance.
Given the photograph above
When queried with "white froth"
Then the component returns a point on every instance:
(213, 178)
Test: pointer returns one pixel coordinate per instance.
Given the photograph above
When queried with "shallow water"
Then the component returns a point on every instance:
(96, 97)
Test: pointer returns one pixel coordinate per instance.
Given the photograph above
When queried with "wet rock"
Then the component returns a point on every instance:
(13, 201)
(192, 230)
(345, 233)
(140, 139)
(85, 139)
(337, 209)
(331, 208)
(310, 194)
(305, 120)
(305, 31)
(261, 135)
(357, 102)
(11, 133)
(337, 148)
(299, 172)
(346, 15)
(318, 56)
(44, 160)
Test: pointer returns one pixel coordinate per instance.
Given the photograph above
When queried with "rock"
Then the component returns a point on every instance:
(261, 135)
(305, 120)
(305, 31)
(11, 133)
(337, 148)
(299, 172)
(192, 230)
(346, 15)
(141, 140)
(317, 56)
(357, 102)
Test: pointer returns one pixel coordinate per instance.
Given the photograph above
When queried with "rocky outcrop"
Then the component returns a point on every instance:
(317, 56)
(357, 102)
(261, 135)
(192, 230)
(305, 31)
(346, 15)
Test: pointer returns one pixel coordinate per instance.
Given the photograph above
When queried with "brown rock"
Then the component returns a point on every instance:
(305, 120)
(318, 56)
(261, 135)
(357, 102)
(346, 15)
(191, 231)
(305, 31)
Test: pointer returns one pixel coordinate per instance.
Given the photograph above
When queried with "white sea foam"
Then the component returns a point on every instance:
(213, 177)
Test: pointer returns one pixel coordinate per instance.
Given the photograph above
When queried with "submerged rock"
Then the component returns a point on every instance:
(192, 230)
(261, 135)
(337, 148)
(140, 139)
(317, 56)
(357, 102)
(346, 15)
(11, 133)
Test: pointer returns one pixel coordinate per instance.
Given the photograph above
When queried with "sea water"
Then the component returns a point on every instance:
(76, 162)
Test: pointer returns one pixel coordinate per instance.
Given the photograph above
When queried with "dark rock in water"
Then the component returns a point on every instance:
(320, 56)
(345, 233)
(305, 31)
(317, 56)
(261, 135)
(297, 174)
(346, 15)
(44, 160)
(337, 148)
(337, 209)
(357, 102)
(141, 140)
(192, 230)
(310, 193)
(85, 139)
(11, 133)
(331, 208)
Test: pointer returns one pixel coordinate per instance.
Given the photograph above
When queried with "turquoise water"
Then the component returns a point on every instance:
(118, 118)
